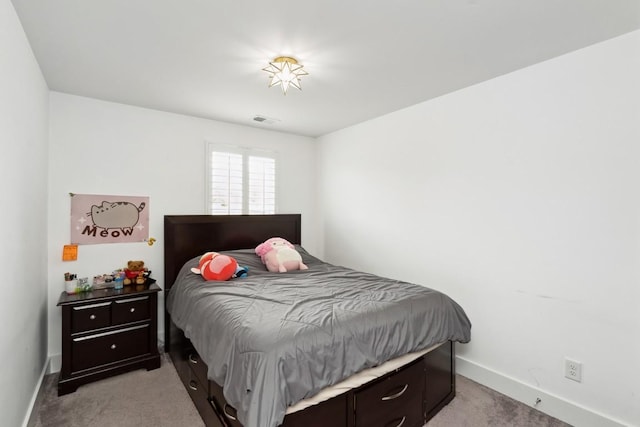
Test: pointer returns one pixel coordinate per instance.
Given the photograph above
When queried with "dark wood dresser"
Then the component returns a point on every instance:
(107, 332)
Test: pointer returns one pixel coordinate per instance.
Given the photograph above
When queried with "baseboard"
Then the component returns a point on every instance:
(161, 341)
(55, 364)
(32, 402)
(557, 407)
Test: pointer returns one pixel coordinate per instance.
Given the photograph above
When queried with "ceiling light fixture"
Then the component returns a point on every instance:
(285, 71)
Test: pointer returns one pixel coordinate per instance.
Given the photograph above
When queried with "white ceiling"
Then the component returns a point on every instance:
(365, 58)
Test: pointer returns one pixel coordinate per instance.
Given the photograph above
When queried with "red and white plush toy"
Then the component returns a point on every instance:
(215, 266)
(279, 255)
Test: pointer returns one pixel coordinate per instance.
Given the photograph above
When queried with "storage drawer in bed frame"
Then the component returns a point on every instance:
(408, 396)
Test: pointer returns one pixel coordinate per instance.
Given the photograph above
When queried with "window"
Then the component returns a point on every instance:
(240, 180)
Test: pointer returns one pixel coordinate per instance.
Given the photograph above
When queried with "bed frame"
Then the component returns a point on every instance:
(187, 236)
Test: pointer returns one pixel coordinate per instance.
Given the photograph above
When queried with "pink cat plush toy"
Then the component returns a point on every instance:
(279, 255)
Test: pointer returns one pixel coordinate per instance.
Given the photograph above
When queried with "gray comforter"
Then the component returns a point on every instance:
(272, 339)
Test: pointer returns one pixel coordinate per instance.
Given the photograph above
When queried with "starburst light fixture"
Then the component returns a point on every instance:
(285, 71)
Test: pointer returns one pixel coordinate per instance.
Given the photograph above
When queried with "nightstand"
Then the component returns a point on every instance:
(107, 332)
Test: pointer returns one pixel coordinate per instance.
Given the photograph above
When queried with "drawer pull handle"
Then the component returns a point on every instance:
(132, 309)
(193, 385)
(104, 334)
(192, 359)
(87, 306)
(113, 346)
(232, 417)
(396, 395)
(401, 421)
(128, 300)
(92, 317)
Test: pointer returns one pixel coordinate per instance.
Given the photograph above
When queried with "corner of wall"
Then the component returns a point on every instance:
(36, 391)
(54, 364)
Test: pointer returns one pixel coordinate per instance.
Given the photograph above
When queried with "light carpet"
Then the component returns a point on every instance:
(157, 398)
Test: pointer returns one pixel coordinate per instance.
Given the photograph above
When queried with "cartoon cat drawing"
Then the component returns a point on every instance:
(111, 215)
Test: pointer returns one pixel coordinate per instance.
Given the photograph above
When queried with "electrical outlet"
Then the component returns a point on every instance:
(573, 370)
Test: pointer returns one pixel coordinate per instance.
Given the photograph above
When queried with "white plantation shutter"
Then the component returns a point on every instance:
(240, 180)
(262, 185)
(226, 183)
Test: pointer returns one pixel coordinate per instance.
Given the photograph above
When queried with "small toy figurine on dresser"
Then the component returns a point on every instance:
(136, 273)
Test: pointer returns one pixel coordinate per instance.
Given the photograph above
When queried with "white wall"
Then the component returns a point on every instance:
(23, 176)
(106, 148)
(519, 197)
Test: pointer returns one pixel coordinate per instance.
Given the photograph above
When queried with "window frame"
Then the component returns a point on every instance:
(245, 152)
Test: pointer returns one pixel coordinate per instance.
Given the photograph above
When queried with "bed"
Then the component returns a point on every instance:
(285, 376)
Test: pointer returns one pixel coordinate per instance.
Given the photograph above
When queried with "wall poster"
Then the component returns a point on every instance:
(99, 219)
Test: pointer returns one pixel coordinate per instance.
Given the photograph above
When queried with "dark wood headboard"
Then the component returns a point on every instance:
(187, 236)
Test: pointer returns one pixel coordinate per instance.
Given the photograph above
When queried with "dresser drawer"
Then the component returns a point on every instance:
(200, 397)
(394, 401)
(198, 367)
(130, 310)
(198, 389)
(108, 347)
(225, 410)
(409, 414)
(90, 316)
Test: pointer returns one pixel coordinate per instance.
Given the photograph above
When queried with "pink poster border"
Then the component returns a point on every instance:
(97, 219)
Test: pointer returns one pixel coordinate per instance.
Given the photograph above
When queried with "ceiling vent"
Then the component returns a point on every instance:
(265, 120)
